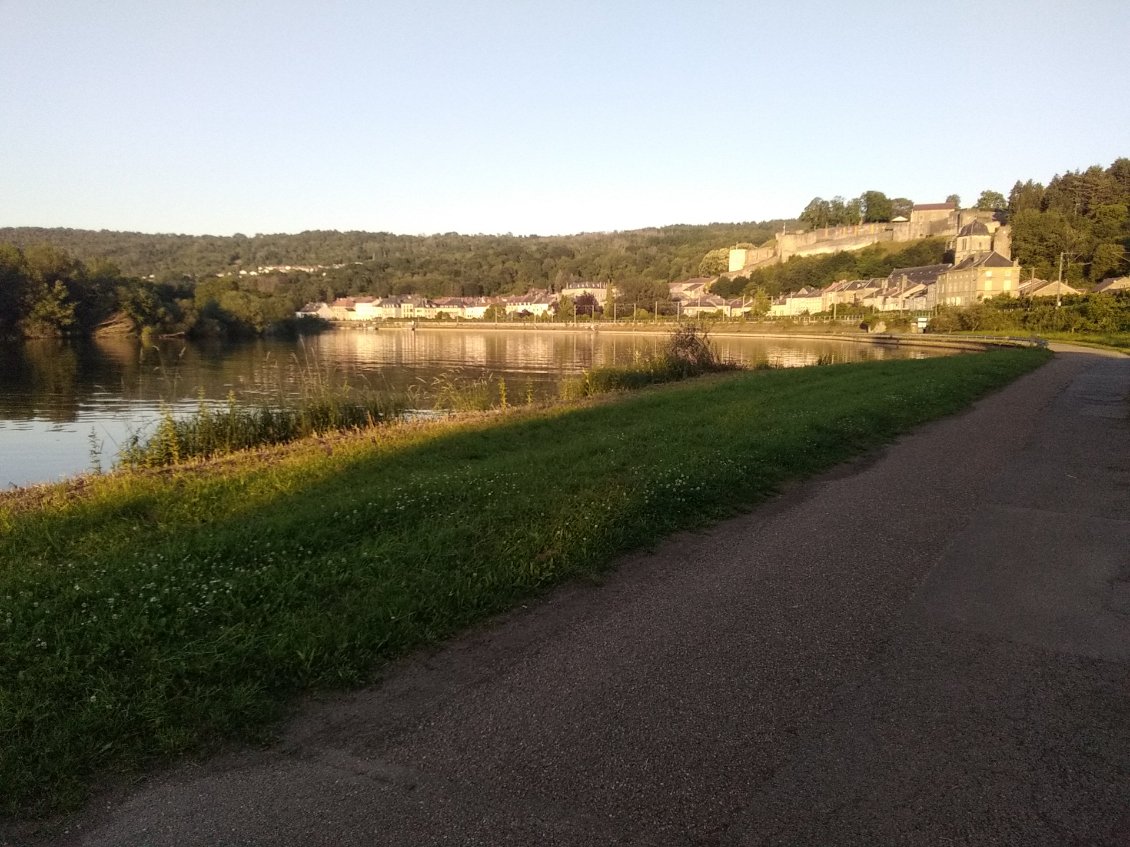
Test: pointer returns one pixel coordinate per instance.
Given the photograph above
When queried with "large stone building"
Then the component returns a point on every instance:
(980, 270)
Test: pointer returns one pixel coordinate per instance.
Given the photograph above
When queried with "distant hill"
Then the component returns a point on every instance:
(478, 264)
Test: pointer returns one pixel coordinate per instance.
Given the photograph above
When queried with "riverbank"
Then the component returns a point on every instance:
(1116, 341)
(787, 327)
(805, 330)
(147, 615)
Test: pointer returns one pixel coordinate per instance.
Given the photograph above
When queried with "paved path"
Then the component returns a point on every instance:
(932, 648)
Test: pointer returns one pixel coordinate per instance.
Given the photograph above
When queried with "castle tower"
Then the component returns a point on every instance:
(973, 240)
(1002, 241)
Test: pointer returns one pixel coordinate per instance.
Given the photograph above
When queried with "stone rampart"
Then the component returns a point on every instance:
(816, 242)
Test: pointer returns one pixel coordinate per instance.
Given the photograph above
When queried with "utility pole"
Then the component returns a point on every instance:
(1059, 282)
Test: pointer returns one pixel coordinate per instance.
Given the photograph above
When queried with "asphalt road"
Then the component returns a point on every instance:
(929, 648)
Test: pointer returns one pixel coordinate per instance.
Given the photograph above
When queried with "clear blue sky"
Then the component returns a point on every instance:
(538, 117)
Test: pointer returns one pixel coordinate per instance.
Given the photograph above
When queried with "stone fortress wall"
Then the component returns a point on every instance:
(925, 221)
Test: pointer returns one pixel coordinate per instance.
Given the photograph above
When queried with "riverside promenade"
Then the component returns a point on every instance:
(931, 646)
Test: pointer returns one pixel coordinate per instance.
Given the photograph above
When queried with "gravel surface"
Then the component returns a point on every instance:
(930, 647)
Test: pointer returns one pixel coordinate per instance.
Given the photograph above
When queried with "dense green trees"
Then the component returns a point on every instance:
(182, 283)
(44, 292)
(446, 264)
(869, 207)
(877, 207)
(992, 201)
(820, 213)
(1095, 313)
(1081, 215)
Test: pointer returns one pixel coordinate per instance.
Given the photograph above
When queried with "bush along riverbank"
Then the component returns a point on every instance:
(148, 614)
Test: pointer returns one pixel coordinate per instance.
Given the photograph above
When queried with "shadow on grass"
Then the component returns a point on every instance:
(166, 621)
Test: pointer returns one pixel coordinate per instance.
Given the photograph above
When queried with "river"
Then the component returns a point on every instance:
(67, 406)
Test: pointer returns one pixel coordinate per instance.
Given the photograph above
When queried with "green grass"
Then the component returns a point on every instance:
(148, 614)
(1110, 340)
(1113, 340)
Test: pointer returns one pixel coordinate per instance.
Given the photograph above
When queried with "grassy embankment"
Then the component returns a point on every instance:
(151, 613)
(1109, 340)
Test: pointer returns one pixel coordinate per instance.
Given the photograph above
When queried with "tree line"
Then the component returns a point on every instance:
(68, 282)
(1080, 218)
(433, 265)
(45, 292)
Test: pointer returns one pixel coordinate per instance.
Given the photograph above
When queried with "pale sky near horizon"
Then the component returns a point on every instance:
(536, 117)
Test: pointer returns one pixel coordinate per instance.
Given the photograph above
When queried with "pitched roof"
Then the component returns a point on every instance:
(1044, 288)
(988, 260)
(921, 275)
(974, 228)
(1113, 283)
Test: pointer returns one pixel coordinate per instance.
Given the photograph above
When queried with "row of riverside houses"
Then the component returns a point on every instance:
(692, 298)
(534, 303)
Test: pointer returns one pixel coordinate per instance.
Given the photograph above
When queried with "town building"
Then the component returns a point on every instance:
(536, 302)
(1044, 288)
(807, 301)
(979, 271)
(689, 289)
(599, 290)
(1112, 284)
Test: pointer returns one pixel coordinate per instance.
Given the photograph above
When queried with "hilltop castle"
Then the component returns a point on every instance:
(982, 265)
(926, 220)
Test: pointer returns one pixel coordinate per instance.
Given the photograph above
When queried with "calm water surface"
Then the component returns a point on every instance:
(66, 405)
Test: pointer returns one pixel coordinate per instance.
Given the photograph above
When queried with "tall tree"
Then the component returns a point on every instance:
(1026, 195)
(715, 262)
(817, 213)
(14, 281)
(877, 207)
(992, 201)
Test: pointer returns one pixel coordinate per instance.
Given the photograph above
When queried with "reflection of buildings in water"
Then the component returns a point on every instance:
(526, 351)
(352, 349)
(790, 357)
(465, 351)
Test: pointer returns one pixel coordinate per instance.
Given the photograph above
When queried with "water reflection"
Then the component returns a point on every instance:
(61, 403)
